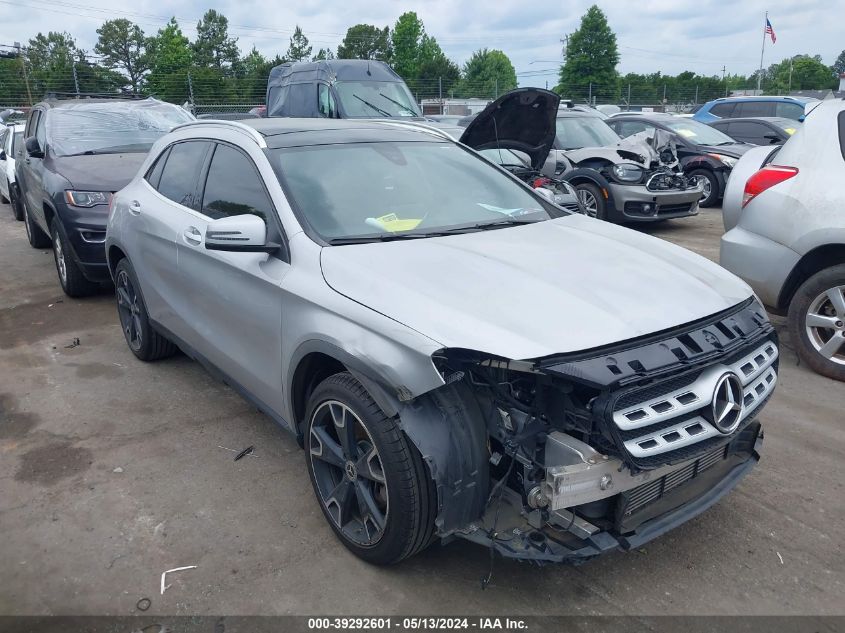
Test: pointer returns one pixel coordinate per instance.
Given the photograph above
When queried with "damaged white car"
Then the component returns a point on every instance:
(444, 342)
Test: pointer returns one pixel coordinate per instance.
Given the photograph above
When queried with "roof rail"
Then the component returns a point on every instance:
(254, 134)
(423, 127)
(54, 95)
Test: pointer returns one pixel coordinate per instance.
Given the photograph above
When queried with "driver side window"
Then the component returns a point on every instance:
(326, 102)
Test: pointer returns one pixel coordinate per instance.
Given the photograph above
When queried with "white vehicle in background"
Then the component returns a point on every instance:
(784, 212)
(11, 136)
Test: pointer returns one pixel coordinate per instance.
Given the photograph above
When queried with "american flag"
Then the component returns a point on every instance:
(770, 31)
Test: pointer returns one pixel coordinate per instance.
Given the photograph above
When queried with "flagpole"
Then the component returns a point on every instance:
(762, 50)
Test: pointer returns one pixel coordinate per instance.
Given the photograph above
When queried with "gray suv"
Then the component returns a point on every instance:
(424, 323)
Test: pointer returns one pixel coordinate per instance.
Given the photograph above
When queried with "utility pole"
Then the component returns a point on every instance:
(75, 79)
(440, 92)
(590, 95)
(191, 93)
(629, 97)
(760, 74)
(723, 80)
(23, 67)
(696, 95)
(497, 88)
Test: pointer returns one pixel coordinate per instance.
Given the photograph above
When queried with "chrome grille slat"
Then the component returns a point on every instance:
(757, 374)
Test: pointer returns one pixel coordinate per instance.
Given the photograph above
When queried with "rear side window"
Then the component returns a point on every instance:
(234, 187)
(32, 122)
(154, 173)
(723, 110)
(181, 172)
(755, 108)
(789, 110)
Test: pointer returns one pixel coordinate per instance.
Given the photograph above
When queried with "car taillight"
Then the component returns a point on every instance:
(540, 182)
(767, 177)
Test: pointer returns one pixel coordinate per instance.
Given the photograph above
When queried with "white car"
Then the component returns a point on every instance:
(11, 137)
(784, 212)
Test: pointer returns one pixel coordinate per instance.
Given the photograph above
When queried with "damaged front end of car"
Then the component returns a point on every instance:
(560, 459)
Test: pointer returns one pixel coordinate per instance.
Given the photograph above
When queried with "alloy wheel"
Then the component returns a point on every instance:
(348, 473)
(589, 201)
(59, 253)
(825, 324)
(129, 310)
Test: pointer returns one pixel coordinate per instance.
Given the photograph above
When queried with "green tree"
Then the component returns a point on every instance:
(591, 57)
(170, 58)
(323, 53)
(839, 64)
(213, 46)
(488, 74)
(808, 73)
(365, 41)
(407, 44)
(51, 59)
(436, 73)
(123, 46)
(12, 85)
(299, 49)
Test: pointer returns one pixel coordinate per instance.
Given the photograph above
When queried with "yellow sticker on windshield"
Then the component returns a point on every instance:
(789, 130)
(685, 133)
(391, 222)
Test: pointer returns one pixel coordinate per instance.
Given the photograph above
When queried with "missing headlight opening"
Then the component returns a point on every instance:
(585, 452)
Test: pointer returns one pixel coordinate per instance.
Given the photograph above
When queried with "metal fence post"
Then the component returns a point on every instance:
(75, 79)
(440, 92)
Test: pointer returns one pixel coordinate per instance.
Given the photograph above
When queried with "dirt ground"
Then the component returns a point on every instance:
(112, 471)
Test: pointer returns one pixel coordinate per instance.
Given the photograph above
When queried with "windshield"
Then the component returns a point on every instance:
(504, 157)
(390, 190)
(698, 133)
(578, 132)
(374, 99)
(111, 128)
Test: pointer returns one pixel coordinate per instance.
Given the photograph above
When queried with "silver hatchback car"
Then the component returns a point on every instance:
(458, 356)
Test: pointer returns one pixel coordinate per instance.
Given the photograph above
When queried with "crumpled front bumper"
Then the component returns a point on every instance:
(635, 203)
(553, 544)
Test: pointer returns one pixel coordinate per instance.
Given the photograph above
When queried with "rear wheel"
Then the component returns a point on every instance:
(817, 322)
(592, 199)
(73, 280)
(142, 339)
(15, 201)
(34, 235)
(372, 484)
(710, 184)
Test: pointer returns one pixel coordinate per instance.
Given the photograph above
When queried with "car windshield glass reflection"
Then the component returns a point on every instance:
(397, 190)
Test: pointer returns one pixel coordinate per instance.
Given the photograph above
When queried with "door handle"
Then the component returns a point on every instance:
(192, 236)
(134, 207)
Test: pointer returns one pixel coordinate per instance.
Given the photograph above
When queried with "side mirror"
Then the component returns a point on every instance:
(33, 148)
(239, 234)
(2, 155)
(548, 194)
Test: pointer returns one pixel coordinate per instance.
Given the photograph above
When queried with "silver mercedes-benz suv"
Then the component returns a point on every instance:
(446, 344)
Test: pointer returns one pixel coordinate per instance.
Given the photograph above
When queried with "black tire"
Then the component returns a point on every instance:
(816, 302)
(71, 277)
(398, 486)
(34, 235)
(592, 198)
(4, 199)
(142, 339)
(15, 201)
(711, 187)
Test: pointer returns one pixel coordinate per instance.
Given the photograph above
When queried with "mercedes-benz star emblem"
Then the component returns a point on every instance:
(726, 410)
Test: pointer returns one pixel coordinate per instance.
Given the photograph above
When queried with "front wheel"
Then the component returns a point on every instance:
(34, 235)
(591, 197)
(710, 183)
(70, 273)
(15, 201)
(372, 484)
(817, 322)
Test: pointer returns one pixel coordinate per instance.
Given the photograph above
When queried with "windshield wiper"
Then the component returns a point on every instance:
(486, 226)
(404, 107)
(374, 107)
(380, 237)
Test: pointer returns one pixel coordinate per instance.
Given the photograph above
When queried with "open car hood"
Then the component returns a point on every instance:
(522, 120)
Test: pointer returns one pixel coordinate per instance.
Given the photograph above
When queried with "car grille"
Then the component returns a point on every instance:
(672, 420)
(572, 206)
(641, 496)
(667, 209)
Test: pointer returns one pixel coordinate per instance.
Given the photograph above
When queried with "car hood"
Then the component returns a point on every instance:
(734, 150)
(522, 119)
(553, 287)
(99, 172)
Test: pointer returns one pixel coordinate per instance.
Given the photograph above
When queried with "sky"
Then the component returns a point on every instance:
(669, 36)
